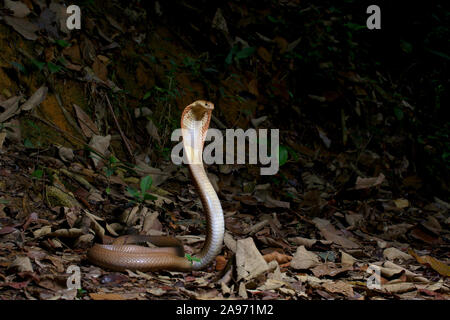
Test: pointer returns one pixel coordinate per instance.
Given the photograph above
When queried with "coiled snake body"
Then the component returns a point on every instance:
(123, 253)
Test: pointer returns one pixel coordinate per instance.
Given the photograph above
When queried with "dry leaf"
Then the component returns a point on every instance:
(401, 203)
(437, 265)
(304, 259)
(329, 269)
(20, 10)
(99, 144)
(365, 183)
(394, 253)
(347, 259)
(249, 261)
(23, 264)
(87, 125)
(221, 262)
(219, 22)
(330, 233)
(264, 54)
(10, 108)
(107, 296)
(35, 99)
(339, 287)
(278, 257)
(152, 130)
(23, 26)
(2, 139)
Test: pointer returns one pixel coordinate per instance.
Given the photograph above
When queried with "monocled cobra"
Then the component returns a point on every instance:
(122, 253)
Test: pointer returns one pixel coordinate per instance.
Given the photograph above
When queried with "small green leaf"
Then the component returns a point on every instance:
(37, 173)
(398, 113)
(229, 58)
(148, 196)
(133, 192)
(406, 46)
(272, 19)
(146, 183)
(27, 143)
(147, 95)
(283, 155)
(53, 68)
(63, 43)
(245, 53)
(191, 258)
(19, 67)
(4, 201)
(109, 172)
(38, 64)
(113, 160)
(108, 190)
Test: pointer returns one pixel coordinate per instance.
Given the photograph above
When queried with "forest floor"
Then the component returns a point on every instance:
(86, 116)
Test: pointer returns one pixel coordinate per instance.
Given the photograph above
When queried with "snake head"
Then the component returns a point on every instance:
(201, 109)
(194, 125)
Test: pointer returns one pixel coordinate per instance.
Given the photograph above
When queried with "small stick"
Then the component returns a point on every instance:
(125, 141)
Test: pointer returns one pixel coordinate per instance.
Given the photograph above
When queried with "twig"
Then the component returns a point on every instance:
(125, 141)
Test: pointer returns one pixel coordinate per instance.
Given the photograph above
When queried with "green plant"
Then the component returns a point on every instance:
(141, 195)
(191, 258)
(38, 173)
(235, 54)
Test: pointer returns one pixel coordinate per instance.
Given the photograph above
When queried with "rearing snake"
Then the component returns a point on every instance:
(122, 253)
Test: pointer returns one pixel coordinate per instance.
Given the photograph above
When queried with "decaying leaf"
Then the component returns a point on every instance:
(35, 99)
(365, 183)
(394, 253)
(249, 261)
(9, 108)
(437, 265)
(278, 257)
(339, 287)
(22, 264)
(100, 145)
(331, 234)
(19, 9)
(23, 26)
(304, 259)
(86, 124)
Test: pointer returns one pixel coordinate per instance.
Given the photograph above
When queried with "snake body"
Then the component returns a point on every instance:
(122, 253)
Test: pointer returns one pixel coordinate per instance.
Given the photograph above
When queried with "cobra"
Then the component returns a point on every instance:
(124, 252)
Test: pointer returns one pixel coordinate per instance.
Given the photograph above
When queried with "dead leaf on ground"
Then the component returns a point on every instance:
(86, 124)
(330, 233)
(249, 261)
(107, 296)
(38, 96)
(23, 26)
(304, 259)
(329, 269)
(100, 144)
(281, 258)
(20, 9)
(9, 108)
(437, 265)
(394, 253)
(339, 287)
(365, 183)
